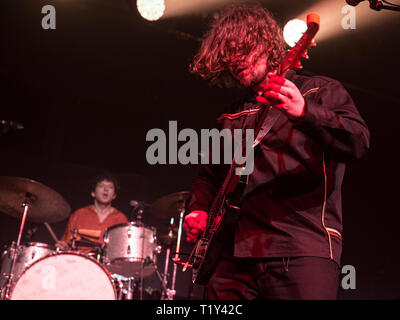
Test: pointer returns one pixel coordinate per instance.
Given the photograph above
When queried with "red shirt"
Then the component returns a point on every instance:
(86, 218)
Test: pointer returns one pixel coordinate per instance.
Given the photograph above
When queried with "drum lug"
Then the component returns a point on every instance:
(158, 250)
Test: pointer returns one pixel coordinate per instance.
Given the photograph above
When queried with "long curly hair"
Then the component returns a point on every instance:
(238, 31)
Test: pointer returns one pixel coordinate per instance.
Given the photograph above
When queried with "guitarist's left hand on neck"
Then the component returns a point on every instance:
(282, 94)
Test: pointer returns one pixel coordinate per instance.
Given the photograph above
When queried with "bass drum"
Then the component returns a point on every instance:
(64, 276)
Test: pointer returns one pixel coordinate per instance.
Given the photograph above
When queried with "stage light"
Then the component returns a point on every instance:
(151, 10)
(293, 31)
(340, 19)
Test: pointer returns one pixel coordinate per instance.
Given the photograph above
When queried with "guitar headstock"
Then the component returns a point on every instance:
(293, 58)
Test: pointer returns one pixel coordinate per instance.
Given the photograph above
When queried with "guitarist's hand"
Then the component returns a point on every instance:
(194, 224)
(284, 95)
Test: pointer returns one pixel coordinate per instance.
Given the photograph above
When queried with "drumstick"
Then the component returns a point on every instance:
(51, 231)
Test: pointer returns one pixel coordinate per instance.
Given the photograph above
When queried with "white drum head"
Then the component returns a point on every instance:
(64, 276)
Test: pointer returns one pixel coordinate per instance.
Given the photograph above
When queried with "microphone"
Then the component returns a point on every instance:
(135, 203)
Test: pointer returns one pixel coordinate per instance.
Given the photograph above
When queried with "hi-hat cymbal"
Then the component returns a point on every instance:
(171, 205)
(167, 239)
(45, 204)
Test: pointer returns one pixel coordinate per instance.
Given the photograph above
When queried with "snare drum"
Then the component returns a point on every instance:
(27, 253)
(129, 248)
(64, 276)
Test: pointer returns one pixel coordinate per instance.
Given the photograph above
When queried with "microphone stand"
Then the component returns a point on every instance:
(378, 5)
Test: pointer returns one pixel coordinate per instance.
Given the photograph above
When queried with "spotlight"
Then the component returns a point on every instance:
(293, 31)
(151, 10)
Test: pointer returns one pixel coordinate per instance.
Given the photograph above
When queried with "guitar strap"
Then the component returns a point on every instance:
(272, 117)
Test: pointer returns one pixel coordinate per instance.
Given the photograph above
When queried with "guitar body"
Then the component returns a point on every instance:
(225, 210)
(210, 246)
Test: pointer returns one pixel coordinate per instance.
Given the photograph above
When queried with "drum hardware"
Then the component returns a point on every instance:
(138, 206)
(18, 196)
(126, 286)
(171, 206)
(130, 285)
(65, 276)
(26, 253)
(172, 293)
(74, 237)
(127, 289)
(25, 205)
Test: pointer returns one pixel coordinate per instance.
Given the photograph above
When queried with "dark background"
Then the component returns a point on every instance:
(88, 92)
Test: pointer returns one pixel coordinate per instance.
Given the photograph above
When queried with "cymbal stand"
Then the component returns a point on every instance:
(171, 292)
(126, 287)
(14, 252)
(163, 284)
(129, 288)
(139, 223)
(167, 254)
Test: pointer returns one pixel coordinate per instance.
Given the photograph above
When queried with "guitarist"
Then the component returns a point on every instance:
(287, 241)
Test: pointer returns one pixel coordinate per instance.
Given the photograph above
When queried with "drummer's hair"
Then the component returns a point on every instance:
(105, 176)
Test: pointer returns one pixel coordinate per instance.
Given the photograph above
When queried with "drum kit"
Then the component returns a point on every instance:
(112, 271)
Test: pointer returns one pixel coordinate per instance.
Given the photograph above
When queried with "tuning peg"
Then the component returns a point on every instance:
(305, 55)
(298, 65)
(313, 43)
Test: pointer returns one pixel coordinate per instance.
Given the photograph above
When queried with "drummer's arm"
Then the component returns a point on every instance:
(65, 241)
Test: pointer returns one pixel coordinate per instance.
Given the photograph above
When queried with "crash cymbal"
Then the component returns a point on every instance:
(170, 205)
(45, 204)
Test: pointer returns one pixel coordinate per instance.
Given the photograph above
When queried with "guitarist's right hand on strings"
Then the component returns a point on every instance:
(194, 224)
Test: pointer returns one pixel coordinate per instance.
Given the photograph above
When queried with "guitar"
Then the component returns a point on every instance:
(225, 209)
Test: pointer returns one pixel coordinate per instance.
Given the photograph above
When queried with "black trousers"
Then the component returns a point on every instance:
(296, 278)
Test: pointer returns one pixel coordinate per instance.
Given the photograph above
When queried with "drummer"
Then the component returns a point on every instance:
(92, 221)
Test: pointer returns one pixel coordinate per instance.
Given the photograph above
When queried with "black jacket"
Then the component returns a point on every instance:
(292, 204)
